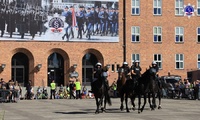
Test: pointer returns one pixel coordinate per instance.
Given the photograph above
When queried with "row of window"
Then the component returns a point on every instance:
(157, 7)
(179, 60)
(157, 34)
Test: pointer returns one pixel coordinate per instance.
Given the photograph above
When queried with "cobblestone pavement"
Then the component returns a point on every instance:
(68, 109)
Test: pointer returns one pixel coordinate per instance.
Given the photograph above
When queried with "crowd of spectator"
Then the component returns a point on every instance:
(183, 89)
(12, 91)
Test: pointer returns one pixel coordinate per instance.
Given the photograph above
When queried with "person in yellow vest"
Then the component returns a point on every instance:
(53, 89)
(78, 89)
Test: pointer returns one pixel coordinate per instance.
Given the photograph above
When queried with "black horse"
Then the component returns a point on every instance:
(144, 85)
(159, 85)
(101, 93)
(153, 88)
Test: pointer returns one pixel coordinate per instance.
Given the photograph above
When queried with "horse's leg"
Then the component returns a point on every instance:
(149, 99)
(104, 108)
(153, 101)
(126, 101)
(145, 101)
(97, 104)
(132, 101)
(139, 103)
(122, 100)
(159, 100)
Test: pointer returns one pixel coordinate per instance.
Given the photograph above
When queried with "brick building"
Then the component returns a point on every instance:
(156, 30)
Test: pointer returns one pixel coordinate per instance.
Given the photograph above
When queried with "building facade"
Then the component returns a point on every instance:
(156, 30)
(159, 30)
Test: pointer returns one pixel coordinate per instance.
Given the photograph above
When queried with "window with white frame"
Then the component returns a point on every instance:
(157, 8)
(112, 67)
(135, 7)
(179, 34)
(198, 34)
(158, 59)
(135, 34)
(179, 7)
(179, 61)
(157, 34)
(118, 66)
(198, 7)
(198, 61)
(135, 57)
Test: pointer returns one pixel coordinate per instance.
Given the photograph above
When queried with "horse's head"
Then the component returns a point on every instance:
(152, 71)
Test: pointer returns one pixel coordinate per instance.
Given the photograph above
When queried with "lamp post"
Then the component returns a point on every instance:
(124, 30)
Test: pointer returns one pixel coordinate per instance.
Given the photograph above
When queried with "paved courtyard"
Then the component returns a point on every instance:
(68, 109)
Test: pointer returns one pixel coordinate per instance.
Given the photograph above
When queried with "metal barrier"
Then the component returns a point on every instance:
(4, 95)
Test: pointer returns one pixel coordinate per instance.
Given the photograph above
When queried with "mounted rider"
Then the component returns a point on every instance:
(124, 69)
(135, 70)
(155, 66)
(97, 73)
(105, 75)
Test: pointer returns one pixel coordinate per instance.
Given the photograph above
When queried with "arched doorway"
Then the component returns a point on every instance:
(20, 68)
(88, 62)
(55, 69)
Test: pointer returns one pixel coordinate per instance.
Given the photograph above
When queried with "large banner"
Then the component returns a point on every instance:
(59, 20)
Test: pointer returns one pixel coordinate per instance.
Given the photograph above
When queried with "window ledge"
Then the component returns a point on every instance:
(157, 15)
(135, 42)
(179, 42)
(157, 42)
(179, 69)
(179, 15)
(135, 14)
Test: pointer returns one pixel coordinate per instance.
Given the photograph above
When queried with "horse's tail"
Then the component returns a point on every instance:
(108, 100)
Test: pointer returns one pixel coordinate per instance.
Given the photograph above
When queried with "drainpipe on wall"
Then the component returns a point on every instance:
(124, 30)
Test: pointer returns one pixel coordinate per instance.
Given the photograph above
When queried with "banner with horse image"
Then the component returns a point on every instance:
(59, 20)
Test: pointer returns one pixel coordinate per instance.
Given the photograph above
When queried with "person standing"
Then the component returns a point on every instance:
(78, 89)
(80, 21)
(2, 20)
(32, 23)
(21, 21)
(90, 23)
(71, 89)
(114, 87)
(11, 20)
(28, 88)
(53, 89)
(68, 19)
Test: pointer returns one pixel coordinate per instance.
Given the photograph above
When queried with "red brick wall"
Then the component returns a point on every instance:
(112, 53)
(168, 48)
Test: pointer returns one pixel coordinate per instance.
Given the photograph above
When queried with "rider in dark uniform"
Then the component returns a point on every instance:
(105, 74)
(155, 66)
(97, 73)
(124, 69)
(135, 71)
